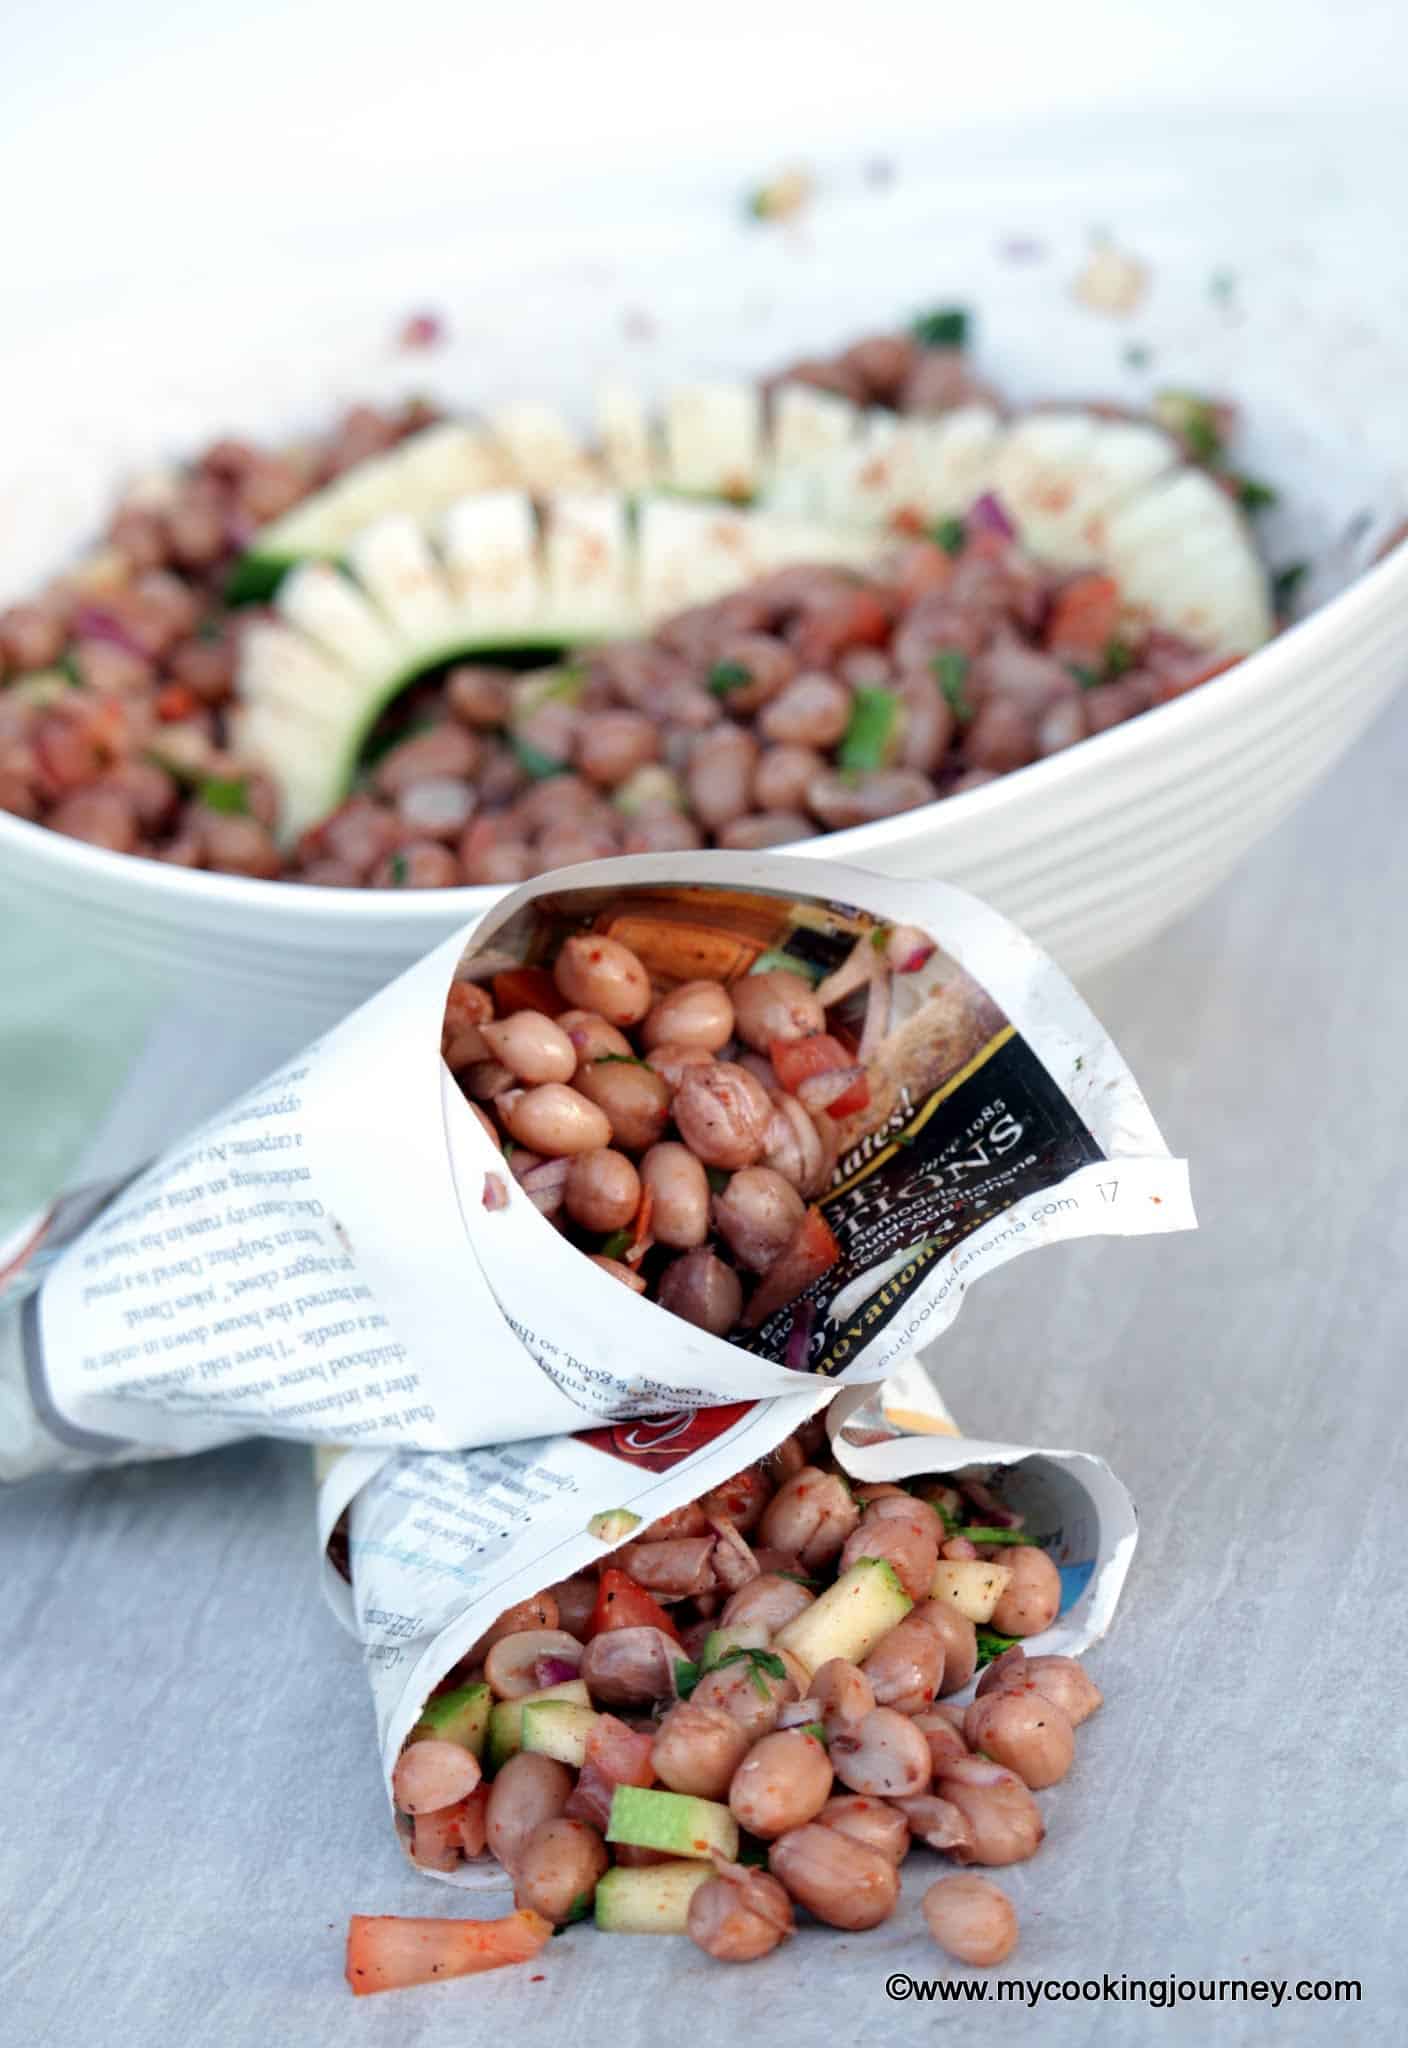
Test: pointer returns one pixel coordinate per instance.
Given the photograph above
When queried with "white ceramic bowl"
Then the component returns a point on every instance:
(1094, 850)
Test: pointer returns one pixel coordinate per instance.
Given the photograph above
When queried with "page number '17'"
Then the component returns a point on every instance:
(1108, 1189)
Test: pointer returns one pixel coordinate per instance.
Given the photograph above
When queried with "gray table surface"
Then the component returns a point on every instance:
(191, 1807)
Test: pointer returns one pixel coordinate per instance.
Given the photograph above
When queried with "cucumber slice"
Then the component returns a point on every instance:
(809, 425)
(587, 560)
(393, 562)
(490, 546)
(713, 440)
(654, 1900)
(849, 1618)
(460, 1716)
(674, 1822)
(1184, 558)
(628, 450)
(506, 1718)
(421, 475)
(557, 1728)
(1060, 474)
(972, 1585)
(540, 450)
(351, 637)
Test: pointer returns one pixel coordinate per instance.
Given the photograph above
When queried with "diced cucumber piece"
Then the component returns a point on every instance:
(654, 1900)
(506, 1720)
(461, 1716)
(741, 1635)
(849, 1618)
(972, 1585)
(613, 1525)
(672, 1822)
(558, 1728)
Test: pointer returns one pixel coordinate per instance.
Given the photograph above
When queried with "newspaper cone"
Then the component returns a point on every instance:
(319, 1262)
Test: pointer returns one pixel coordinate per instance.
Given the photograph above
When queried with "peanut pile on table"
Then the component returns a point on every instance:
(742, 1712)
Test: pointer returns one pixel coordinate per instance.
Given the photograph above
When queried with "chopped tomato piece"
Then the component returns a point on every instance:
(851, 1100)
(385, 1953)
(1084, 618)
(622, 1754)
(527, 988)
(812, 1251)
(174, 701)
(621, 1603)
(795, 1060)
(858, 619)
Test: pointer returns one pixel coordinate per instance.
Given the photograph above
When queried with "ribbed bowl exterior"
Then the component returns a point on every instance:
(1093, 851)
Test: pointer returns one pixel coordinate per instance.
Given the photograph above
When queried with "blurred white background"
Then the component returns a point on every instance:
(157, 141)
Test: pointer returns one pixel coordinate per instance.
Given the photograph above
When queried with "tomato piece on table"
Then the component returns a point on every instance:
(527, 988)
(387, 1953)
(1084, 618)
(621, 1603)
(812, 1251)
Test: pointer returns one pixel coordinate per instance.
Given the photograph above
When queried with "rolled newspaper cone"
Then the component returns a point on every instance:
(429, 1551)
(340, 1256)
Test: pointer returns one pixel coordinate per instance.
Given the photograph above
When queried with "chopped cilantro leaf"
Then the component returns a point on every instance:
(67, 666)
(942, 327)
(727, 676)
(578, 1910)
(1119, 656)
(618, 1059)
(991, 1645)
(226, 794)
(687, 1676)
(1285, 585)
(1086, 677)
(400, 870)
(1138, 355)
(535, 763)
(1254, 496)
(865, 743)
(616, 1246)
(951, 669)
(949, 534)
(762, 1665)
(997, 1536)
(815, 1728)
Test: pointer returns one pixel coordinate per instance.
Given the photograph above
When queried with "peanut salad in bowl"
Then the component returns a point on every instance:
(422, 651)
(748, 1709)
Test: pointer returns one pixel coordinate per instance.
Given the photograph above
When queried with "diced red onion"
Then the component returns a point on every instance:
(797, 1713)
(877, 1014)
(546, 1183)
(958, 1548)
(819, 1091)
(797, 1355)
(907, 948)
(553, 1671)
(987, 514)
(995, 1515)
(853, 973)
(91, 622)
(495, 1191)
